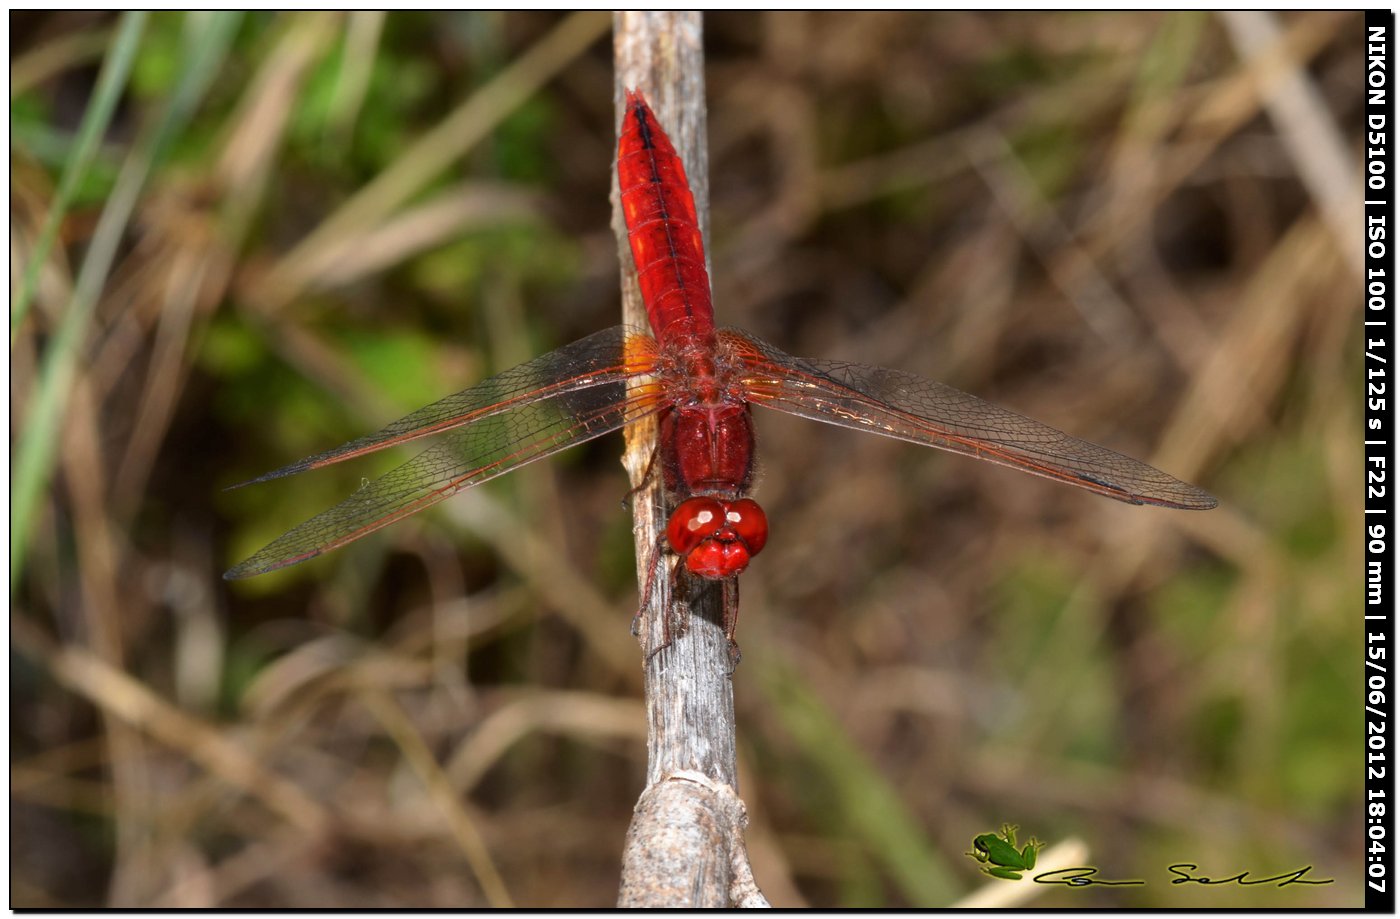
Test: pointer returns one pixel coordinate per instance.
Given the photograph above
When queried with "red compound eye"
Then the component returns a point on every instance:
(749, 523)
(694, 521)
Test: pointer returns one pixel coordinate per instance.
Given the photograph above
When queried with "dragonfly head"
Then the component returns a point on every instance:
(717, 538)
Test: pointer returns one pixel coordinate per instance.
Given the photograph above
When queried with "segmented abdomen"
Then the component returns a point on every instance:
(662, 227)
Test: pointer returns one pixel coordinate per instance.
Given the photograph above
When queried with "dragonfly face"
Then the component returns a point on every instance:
(717, 538)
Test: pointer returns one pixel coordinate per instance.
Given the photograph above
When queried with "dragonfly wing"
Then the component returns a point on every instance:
(492, 445)
(909, 407)
(588, 362)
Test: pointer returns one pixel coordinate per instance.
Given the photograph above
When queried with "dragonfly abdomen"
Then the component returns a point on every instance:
(662, 227)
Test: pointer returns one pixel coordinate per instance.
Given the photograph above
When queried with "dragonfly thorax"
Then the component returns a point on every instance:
(708, 450)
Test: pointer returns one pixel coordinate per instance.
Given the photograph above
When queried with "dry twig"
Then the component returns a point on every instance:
(685, 845)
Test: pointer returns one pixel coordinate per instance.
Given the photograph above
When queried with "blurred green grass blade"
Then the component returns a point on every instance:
(110, 83)
(1167, 60)
(435, 150)
(866, 802)
(210, 35)
(363, 32)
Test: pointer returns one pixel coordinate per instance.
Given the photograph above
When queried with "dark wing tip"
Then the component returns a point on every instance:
(1187, 498)
(247, 568)
(1179, 496)
(292, 469)
(258, 564)
(1202, 501)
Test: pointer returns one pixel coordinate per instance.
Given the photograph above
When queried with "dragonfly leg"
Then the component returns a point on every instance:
(648, 585)
(666, 637)
(658, 556)
(731, 620)
(672, 626)
(646, 477)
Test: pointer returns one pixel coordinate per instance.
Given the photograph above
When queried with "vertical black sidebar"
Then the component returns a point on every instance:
(1379, 440)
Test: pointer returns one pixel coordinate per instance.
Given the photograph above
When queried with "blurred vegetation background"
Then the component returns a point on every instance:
(237, 240)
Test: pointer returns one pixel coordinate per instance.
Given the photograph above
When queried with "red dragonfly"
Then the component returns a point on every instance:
(701, 382)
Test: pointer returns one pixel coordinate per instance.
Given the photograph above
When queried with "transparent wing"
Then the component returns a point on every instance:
(532, 421)
(908, 407)
(588, 362)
